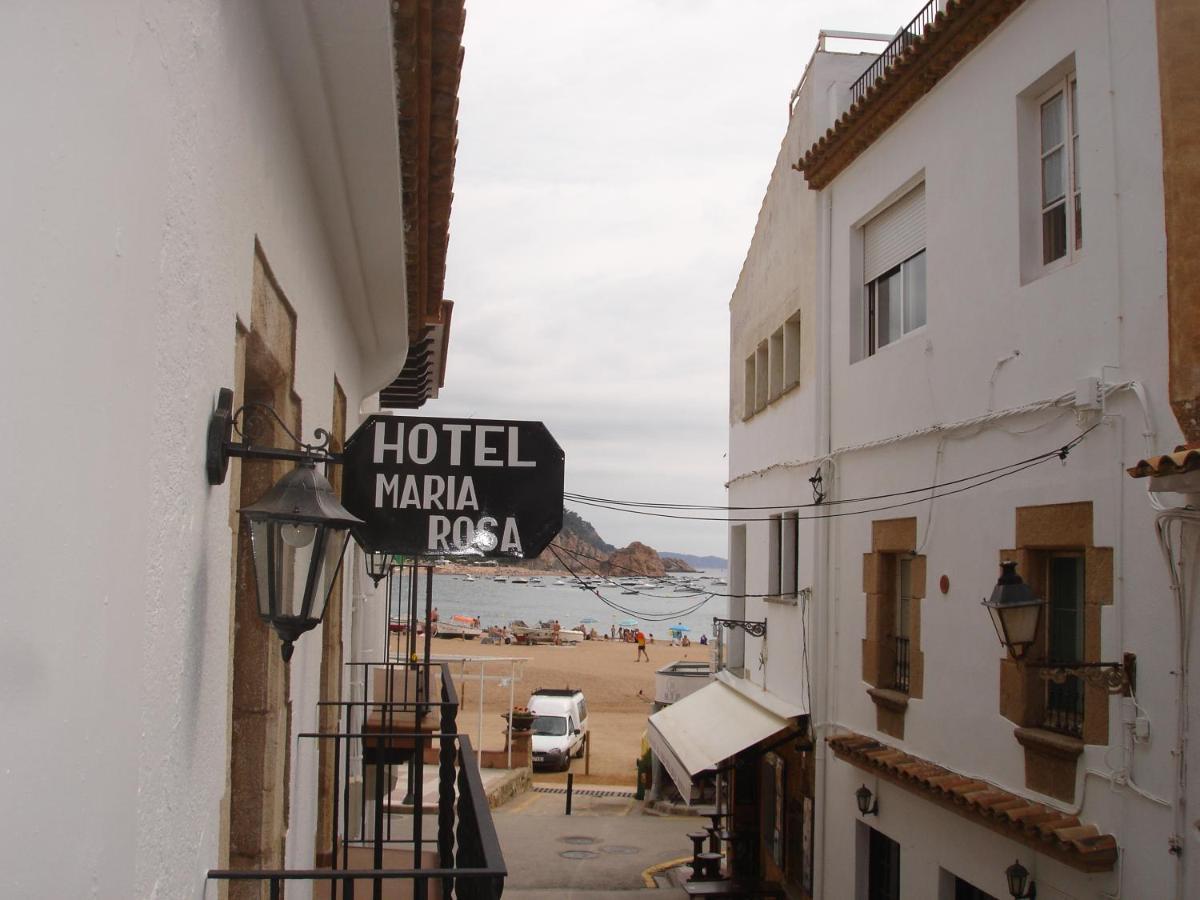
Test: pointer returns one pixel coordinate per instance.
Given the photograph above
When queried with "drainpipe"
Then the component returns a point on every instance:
(824, 615)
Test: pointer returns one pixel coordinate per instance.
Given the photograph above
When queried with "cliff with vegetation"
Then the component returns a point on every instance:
(586, 553)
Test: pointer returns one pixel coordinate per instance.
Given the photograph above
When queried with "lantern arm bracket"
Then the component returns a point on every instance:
(751, 627)
(226, 420)
(1114, 677)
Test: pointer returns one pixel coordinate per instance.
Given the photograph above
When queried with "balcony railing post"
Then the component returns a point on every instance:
(446, 779)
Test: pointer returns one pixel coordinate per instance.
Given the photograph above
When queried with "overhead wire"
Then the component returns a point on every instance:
(637, 614)
(646, 504)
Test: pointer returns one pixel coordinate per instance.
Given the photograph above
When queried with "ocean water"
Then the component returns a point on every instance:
(655, 608)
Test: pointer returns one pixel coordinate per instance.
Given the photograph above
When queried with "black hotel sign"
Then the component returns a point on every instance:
(462, 487)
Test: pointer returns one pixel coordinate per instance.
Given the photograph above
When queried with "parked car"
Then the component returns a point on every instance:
(560, 726)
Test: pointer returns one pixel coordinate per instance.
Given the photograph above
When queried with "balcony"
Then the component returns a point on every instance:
(905, 38)
(401, 722)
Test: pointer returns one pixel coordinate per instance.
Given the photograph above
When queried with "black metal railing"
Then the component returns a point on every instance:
(1064, 706)
(384, 734)
(902, 665)
(907, 36)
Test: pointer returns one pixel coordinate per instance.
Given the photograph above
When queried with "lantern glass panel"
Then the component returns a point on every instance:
(333, 547)
(1021, 623)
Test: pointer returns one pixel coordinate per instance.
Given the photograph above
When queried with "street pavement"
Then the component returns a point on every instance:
(608, 842)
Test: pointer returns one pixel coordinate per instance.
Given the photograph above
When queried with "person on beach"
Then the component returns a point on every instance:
(641, 645)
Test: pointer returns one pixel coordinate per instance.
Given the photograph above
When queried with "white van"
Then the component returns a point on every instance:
(560, 725)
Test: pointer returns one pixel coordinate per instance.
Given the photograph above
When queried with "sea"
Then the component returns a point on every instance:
(690, 599)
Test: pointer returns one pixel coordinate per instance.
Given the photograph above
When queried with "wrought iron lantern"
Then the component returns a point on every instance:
(378, 565)
(1019, 885)
(864, 797)
(298, 533)
(1016, 613)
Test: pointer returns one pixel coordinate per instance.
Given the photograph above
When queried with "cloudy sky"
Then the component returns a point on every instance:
(611, 163)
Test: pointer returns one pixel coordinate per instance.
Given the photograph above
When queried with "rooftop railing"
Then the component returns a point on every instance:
(907, 35)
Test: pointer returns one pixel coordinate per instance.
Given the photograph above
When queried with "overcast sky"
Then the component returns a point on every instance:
(612, 158)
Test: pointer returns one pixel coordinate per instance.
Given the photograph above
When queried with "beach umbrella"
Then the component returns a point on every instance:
(628, 623)
(680, 628)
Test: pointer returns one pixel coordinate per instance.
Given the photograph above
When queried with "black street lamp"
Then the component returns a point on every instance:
(298, 532)
(1019, 885)
(1016, 613)
(378, 565)
(863, 797)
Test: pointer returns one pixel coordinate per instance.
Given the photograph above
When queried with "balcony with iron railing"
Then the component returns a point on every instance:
(402, 718)
(907, 36)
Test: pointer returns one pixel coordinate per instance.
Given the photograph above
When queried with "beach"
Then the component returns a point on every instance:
(619, 693)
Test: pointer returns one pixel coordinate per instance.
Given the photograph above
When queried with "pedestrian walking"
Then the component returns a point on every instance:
(641, 645)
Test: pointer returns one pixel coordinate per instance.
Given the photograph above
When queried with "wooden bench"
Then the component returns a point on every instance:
(761, 890)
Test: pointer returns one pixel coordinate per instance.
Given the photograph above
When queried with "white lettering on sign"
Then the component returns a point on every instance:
(446, 534)
(423, 445)
(485, 455)
(514, 453)
(382, 445)
(425, 492)
(456, 432)
(414, 444)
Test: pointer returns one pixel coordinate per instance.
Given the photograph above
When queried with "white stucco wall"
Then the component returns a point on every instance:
(149, 146)
(1102, 316)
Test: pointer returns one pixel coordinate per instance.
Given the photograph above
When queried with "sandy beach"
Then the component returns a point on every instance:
(607, 673)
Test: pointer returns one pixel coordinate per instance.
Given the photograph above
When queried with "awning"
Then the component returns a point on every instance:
(719, 720)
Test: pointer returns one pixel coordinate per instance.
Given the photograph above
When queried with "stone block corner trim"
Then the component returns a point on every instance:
(1045, 830)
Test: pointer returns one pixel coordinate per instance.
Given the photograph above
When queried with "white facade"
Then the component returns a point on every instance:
(964, 394)
(149, 147)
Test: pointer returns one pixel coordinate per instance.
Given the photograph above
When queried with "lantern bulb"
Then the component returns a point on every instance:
(297, 534)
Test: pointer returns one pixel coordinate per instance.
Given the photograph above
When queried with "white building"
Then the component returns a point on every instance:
(197, 195)
(961, 267)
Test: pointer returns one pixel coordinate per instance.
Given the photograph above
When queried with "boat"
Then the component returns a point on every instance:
(500, 578)
(559, 583)
(464, 627)
(520, 580)
(543, 633)
(469, 578)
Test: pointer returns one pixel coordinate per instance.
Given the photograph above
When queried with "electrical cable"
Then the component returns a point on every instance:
(648, 617)
(831, 515)
(1019, 465)
(646, 504)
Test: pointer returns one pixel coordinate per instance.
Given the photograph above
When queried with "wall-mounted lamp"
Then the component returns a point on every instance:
(868, 804)
(298, 529)
(1019, 885)
(378, 565)
(1017, 615)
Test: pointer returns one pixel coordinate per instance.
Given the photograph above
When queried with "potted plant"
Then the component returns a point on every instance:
(521, 718)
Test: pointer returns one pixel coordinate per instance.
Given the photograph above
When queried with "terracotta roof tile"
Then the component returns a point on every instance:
(953, 33)
(1186, 458)
(1036, 825)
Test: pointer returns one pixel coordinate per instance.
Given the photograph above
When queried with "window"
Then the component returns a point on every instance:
(748, 389)
(883, 867)
(776, 355)
(782, 554)
(1061, 203)
(894, 289)
(761, 363)
(896, 303)
(1064, 640)
(903, 594)
(893, 665)
(773, 797)
(791, 352)
(964, 890)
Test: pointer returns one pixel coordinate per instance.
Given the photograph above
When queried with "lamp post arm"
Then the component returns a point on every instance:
(220, 445)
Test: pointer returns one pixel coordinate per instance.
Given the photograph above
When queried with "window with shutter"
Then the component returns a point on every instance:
(893, 272)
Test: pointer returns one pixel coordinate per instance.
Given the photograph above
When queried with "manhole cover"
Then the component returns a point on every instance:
(618, 848)
(579, 854)
(579, 839)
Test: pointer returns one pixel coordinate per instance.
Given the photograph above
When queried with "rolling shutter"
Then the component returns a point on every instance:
(894, 235)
